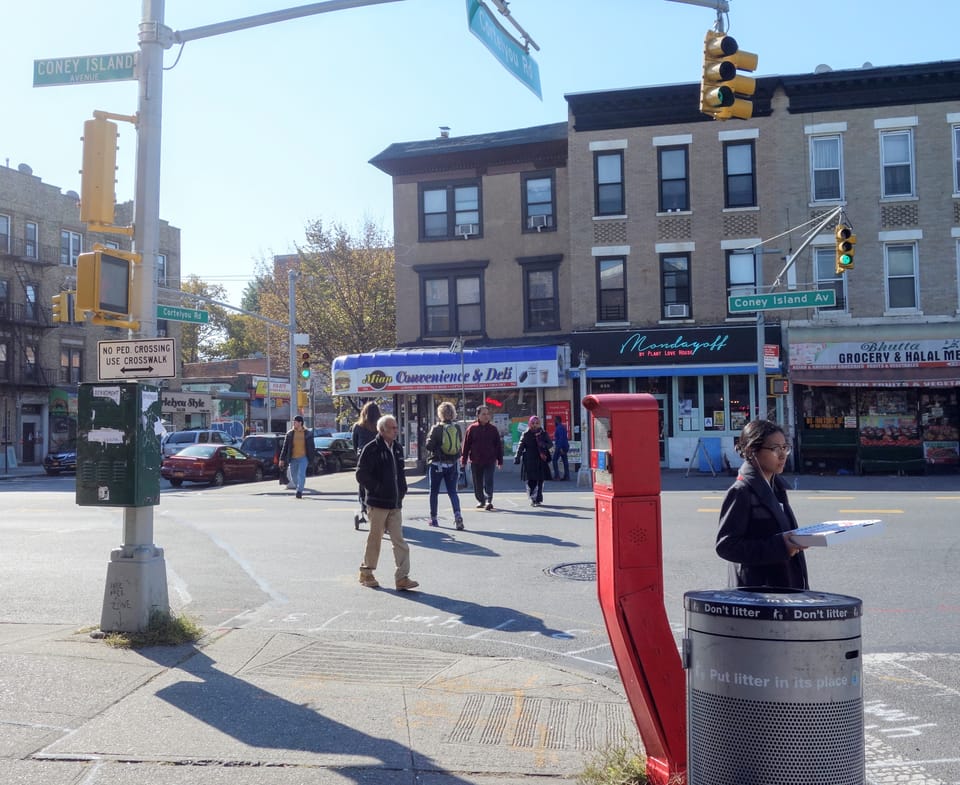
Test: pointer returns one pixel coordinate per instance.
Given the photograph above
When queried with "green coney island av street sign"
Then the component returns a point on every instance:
(85, 69)
(175, 314)
(778, 301)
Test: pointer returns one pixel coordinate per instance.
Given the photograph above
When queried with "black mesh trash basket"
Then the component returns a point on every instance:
(774, 692)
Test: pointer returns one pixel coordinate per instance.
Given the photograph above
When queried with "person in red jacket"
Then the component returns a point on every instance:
(483, 448)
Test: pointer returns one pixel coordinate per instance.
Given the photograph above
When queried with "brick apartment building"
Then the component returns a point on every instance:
(613, 242)
(41, 363)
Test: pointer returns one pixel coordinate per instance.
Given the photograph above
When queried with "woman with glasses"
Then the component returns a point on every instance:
(756, 519)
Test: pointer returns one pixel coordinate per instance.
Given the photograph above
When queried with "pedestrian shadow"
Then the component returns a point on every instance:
(533, 539)
(264, 720)
(486, 617)
(556, 511)
(443, 539)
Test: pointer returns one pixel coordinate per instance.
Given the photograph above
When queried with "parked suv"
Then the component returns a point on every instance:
(177, 441)
(265, 447)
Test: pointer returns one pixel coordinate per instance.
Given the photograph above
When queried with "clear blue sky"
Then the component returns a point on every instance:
(269, 128)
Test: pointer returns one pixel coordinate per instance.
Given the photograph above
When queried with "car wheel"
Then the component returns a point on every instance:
(337, 464)
(258, 475)
(217, 479)
(176, 483)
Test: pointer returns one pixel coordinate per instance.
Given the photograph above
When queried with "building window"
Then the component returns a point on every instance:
(608, 180)
(540, 296)
(825, 277)
(452, 304)
(162, 269)
(896, 151)
(30, 234)
(612, 290)
(739, 181)
(31, 295)
(4, 360)
(675, 286)
(826, 171)
(901, 264)
(674, 179)
(539, 204)
(71, 365)
(956, 159)
(741, 276)
(162, 328)
(71, 246)
(30, 371)
(449, 211)
(4, 234)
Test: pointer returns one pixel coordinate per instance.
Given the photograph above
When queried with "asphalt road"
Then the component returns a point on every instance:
(517, 582)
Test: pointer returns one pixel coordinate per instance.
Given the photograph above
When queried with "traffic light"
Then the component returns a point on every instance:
(60, 308)
(303, 363)
(846, 240)
(721, 84)
(103, 282)
(98, 176)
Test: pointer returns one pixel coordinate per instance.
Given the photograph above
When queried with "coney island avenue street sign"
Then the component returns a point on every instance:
(176, 314)
(146, 358)
(85, 69)
(817, 298)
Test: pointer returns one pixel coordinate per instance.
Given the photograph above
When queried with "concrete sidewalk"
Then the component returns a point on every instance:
(256, 706)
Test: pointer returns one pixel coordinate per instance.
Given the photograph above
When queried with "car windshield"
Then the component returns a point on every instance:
(258, 443)
(199, 450)
(182, 438)
(323, 442)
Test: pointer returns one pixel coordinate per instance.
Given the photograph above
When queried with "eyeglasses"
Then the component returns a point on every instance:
(780, 449)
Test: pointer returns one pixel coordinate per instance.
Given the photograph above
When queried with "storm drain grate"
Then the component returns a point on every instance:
(355, 664)
(539, 723)
(574, 571)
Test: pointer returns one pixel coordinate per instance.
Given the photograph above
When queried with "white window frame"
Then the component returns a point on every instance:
(161, 269)
(828, 282)
(28, 240)
(956, 159)
(838, 138)
(75, 241)
(5, 235)
(911, 162)
(887, 277)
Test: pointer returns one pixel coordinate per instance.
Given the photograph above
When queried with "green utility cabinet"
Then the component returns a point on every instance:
(118, 445)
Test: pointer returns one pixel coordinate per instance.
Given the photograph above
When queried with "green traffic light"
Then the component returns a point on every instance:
(846, 260)
(305, 372)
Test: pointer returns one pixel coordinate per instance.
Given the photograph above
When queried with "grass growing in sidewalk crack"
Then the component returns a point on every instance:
(615, 764)
(162, 630)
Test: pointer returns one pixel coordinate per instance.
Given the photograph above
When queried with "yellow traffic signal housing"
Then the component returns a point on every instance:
(721, 84)
(103, 283)
(846, 242)
(303, 363)
(60, 308)
(98, 176)
(303, 399)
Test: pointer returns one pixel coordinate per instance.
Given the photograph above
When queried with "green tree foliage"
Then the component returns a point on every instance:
(345, 294)
(200, 342)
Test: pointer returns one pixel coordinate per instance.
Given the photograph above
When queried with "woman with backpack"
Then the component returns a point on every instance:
(443, 450)
(364, 432)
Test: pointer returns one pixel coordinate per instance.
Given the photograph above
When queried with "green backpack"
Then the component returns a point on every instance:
(450, 441)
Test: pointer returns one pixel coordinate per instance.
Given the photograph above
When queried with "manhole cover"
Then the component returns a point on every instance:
(575, 571)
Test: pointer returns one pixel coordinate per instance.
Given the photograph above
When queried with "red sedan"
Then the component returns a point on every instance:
(210, 463)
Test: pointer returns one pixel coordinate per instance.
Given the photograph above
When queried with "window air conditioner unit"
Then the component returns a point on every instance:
(538, 222)
(466, 230)
(677, 310)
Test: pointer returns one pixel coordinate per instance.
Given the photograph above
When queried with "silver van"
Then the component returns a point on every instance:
(177, 441)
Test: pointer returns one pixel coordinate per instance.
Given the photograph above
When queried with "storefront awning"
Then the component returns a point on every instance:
(436, 370)
(879, 377)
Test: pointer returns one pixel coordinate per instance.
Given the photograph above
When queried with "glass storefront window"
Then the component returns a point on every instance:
(688, 403)
(714, 416)
(739, 401)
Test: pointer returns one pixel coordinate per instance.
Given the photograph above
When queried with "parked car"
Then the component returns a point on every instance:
(214, 464)
(177, 441)
(265, 447)
(321, 432)
(333, 455)
(61, 459)
(348, 435)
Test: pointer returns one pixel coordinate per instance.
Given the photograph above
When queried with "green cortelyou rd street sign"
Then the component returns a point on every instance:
(85, 69)
(778, 301)
(175, 314)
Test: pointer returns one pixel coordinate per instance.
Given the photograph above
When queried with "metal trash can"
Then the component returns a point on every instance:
(774, 692)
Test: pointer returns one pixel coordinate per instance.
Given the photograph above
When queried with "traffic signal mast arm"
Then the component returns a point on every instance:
(834, 213)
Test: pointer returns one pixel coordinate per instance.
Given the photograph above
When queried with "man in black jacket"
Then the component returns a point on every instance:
(380, 473)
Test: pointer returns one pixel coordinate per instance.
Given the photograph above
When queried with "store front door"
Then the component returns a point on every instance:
(663, 415)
